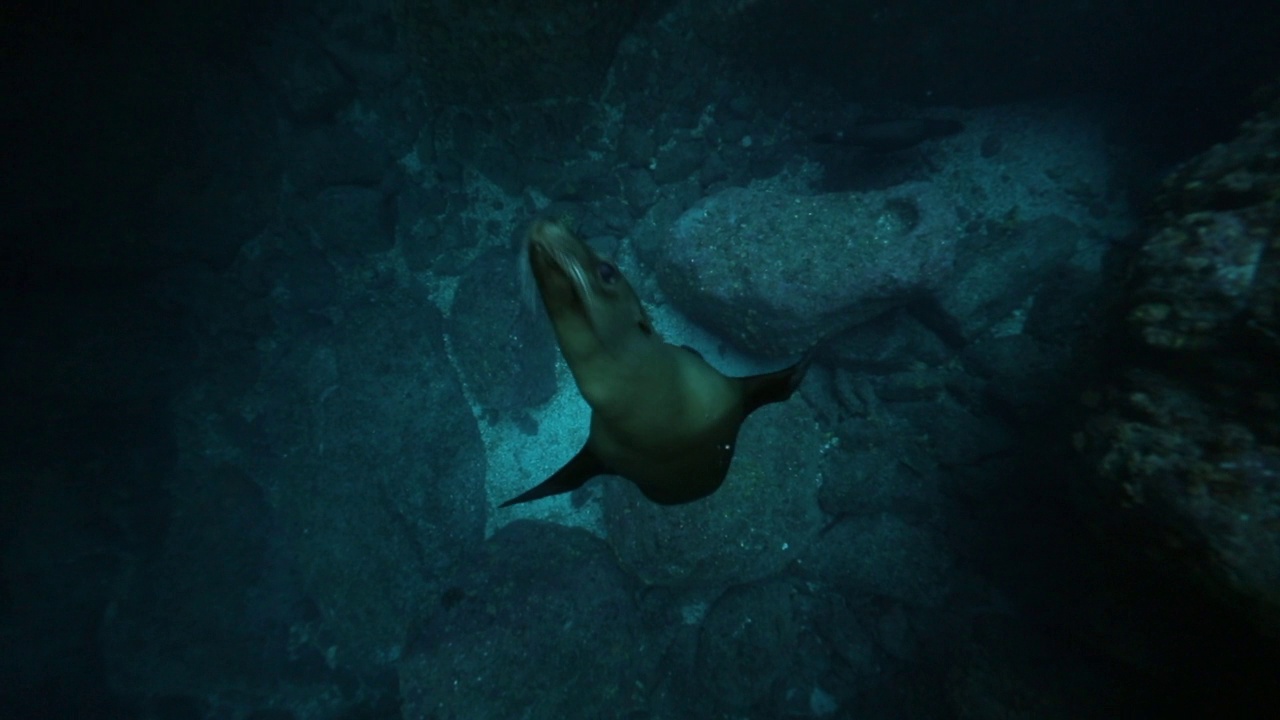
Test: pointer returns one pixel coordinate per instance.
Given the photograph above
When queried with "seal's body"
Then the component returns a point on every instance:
(661, 416)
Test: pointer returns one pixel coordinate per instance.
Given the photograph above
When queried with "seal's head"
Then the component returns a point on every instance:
(596, 314)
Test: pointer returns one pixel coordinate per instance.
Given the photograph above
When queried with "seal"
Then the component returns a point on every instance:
(661, 416)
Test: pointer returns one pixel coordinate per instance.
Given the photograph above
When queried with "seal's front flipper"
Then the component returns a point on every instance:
(775, 386)
(572, 476)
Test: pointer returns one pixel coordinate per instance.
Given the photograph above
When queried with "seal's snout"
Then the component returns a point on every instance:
(557, 261)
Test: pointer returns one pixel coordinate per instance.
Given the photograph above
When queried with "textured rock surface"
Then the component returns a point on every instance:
(885, 556)
(505, 350)
(732, 662)
(541, 624)
(790, 269)
(377, 470)
(1186, 440)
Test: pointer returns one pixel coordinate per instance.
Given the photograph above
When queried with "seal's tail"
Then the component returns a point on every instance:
(775, 386)
(584, 466)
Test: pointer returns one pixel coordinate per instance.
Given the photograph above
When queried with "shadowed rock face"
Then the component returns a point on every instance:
(511, 50)
(987, 51)
(1185, 442)
(542, 623)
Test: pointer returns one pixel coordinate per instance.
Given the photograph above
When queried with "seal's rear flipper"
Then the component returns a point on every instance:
(572, 476)
(775, 386)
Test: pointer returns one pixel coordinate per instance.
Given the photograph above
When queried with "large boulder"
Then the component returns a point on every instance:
(777, 271)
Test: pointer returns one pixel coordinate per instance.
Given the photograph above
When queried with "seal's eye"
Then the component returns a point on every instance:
(607, 272)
